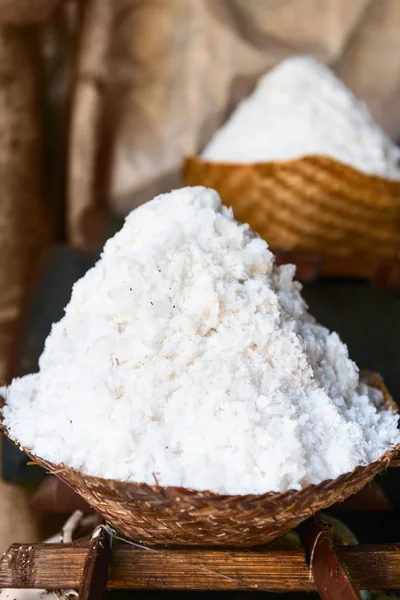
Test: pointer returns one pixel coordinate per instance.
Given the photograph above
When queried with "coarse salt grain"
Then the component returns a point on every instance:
(185, 354)
(301, 108)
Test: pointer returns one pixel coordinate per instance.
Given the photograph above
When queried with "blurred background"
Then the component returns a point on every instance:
(101, 101)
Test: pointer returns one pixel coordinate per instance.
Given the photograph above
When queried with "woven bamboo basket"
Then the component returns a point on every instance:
(178, 516)
(313, 204)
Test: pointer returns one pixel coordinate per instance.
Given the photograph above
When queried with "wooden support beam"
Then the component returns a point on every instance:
(330, 573)
(95, 570)
(53, 566)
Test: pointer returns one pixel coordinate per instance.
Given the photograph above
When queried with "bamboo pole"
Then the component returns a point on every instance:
(23, 228)
(60, 566)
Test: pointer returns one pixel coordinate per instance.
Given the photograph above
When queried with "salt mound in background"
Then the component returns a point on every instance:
(301, 108)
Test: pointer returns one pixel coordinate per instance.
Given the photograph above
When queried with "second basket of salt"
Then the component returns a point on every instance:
(303, 162)
(188, 395)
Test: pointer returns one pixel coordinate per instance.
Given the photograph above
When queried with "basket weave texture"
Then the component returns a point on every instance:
(313, 203)
(178, 516)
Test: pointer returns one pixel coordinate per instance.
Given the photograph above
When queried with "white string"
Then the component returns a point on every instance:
(117, 537)
(312, 552)
(113, 535)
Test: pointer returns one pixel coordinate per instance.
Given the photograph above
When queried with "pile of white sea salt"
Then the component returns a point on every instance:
(186, 355)
(300, 108)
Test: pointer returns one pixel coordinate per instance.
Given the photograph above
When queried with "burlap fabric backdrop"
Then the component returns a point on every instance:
(156, 78)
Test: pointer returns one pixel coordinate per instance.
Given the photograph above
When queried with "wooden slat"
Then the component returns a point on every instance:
(60, 566)
(277, 570)
(42, 565)
(374, 566)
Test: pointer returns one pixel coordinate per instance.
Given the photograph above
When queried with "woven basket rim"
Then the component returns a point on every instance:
(310, 158)
(373, 379)
(356, 255)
